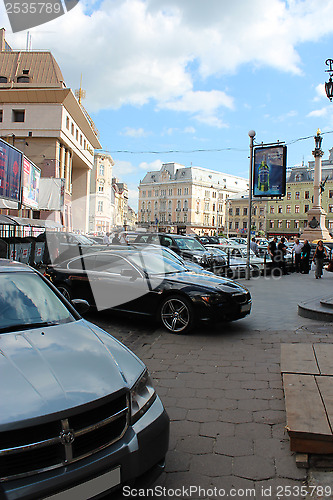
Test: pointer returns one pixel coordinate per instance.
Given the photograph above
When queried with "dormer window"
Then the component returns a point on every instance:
(3, 79)
(23, 79)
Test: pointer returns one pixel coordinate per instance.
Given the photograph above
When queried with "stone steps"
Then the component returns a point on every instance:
(320, 309)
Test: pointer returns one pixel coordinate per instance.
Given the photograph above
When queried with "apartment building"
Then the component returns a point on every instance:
(101, 217)
(185, 199)
(237, 216)
(41, 117)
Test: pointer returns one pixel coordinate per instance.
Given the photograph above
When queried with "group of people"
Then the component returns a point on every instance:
(302, 253)
(111, 239)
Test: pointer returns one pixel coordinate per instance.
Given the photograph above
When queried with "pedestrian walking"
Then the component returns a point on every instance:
(305, 257)
(297, 251)
(281, 253)
(106, 239)
(115, 240)
(272, 251)
(254, 247)
(318, 258)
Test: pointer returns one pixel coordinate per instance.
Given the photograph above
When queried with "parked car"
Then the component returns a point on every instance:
(188, 247)
(150, 284)
(239, 251)
(80, 414)
(235, 267)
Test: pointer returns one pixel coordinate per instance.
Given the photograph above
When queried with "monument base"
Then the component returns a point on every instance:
(316, 229)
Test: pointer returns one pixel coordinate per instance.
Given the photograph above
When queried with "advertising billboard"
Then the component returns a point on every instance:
(10, 172)
(30, 184)
(269, 175)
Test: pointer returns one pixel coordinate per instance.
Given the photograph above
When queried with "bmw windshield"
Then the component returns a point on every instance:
(26, 301)
(190, 244)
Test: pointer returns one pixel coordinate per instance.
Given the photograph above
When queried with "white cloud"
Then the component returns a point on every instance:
(318, 112)
(123, 168)
(135, 132)
(135, 51)
(154, 165)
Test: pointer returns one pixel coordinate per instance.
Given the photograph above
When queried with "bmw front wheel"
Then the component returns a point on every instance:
(176, 314)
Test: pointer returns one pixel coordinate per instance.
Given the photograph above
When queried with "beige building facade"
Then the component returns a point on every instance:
(41, 117)
(101, 217)
(185, 199)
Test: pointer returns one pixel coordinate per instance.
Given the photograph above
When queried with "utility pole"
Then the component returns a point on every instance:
(248, 271)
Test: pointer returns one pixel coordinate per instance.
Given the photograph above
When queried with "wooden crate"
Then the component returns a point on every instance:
(307, 372)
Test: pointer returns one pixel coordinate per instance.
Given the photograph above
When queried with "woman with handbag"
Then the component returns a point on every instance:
(318, 258)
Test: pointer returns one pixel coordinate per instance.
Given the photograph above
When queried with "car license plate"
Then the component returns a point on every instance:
(246, 307)
(90, 488)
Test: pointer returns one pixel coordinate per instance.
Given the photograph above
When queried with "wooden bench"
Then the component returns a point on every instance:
(307, 372)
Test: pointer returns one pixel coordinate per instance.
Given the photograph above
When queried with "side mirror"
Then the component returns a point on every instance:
(82, 306)
(130, 273)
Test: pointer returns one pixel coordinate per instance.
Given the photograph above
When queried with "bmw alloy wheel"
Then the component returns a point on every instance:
(176, 314)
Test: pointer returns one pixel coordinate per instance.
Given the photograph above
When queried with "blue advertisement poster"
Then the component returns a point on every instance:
(10, 172)
(269, 175)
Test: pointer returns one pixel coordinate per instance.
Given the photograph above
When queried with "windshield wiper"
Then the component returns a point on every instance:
(27, 326)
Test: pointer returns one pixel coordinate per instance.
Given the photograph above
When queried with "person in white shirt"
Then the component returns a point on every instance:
(106, 239)
(297, 250)
(254, 247)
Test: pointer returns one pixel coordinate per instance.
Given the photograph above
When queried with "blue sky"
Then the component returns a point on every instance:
(188, 75)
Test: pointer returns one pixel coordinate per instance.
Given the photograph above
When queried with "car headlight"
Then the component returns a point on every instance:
(142, 396)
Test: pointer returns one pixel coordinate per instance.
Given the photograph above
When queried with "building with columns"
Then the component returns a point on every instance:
(41, 116)
(185, 199)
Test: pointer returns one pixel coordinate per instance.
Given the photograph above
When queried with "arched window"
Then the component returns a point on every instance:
(23, 79)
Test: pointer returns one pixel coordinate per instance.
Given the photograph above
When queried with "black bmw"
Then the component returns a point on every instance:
(148, 283)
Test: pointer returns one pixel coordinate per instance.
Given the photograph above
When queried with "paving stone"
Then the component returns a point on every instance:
(270, 416)
(214, 429)
(198, 446)
(212, 465)
(236, 416)
(184, 428)
(233, 447)
(253, 404)
(178, 461)
(253, 430)
(203, 415)
(286, 467)
(254, 467)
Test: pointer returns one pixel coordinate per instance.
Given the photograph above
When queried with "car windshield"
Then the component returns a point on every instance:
(155, 264)
(27, 301)
(244, 252)
(189, 244)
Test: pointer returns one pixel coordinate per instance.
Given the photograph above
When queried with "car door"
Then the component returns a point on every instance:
(116, 283)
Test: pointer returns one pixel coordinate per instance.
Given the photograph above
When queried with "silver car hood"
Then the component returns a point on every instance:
(47, 370)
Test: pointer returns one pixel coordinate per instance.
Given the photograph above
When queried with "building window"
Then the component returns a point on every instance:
(307, 195)
(101, 188)
(3, 79)
(67, 122)
(288, 196)
(271, 224)
(230, 225)
(245, 211)
(149, 194)
(288, 209)
(23, 79)
(179, 191)
(230, 211)
(170, 192)
(261, 211)
(207, 206)
(214, 207)
(156, 192)
(1, 115)
(80, 139)
(244, 224)
(280, 209)
(279, 224)
(185, 191)
(296, 209)
(72, 128)
(143, 194)
(271, 210)
(305, 223)
(330, 224)
(297, 195)
(306, 208)
(100, 206)
(288, 224)
(237, 211)
(236, 225)
(101, 170)
(207, 194)
(330, 209)
(18, 115)
(77, 134)
(298, 177)
(296, 224)
(330, 193)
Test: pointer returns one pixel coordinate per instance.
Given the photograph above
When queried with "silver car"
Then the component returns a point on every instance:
(79, 416)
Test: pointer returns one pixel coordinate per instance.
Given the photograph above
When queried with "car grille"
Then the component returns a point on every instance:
(38, 448)
(242, 297)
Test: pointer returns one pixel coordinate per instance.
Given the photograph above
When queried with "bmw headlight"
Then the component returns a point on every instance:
(142, 396)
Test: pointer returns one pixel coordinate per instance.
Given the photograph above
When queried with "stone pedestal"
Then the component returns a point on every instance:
(316, 229)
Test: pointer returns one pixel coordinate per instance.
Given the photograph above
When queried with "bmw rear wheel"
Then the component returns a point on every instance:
(176, 314)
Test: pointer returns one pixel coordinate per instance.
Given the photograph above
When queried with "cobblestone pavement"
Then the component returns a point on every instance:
(222, 389)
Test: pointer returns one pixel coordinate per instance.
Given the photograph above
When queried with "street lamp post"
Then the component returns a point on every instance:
(248, 273)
